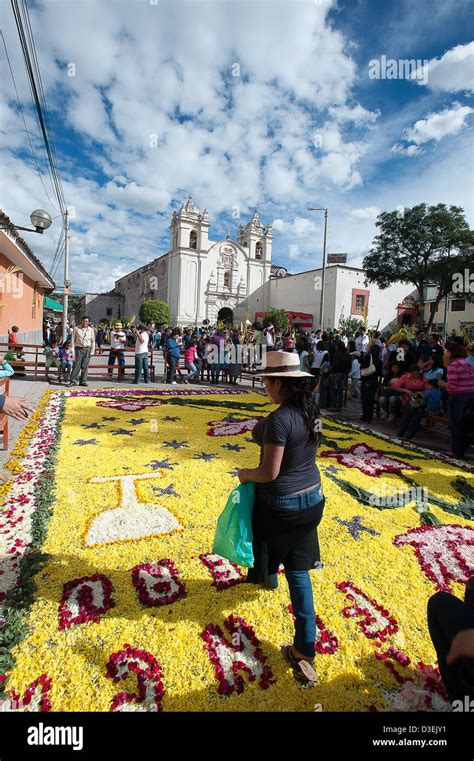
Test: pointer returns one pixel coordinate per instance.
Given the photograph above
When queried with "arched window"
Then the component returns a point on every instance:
(258, 251)
(226, 279)
(193, 239)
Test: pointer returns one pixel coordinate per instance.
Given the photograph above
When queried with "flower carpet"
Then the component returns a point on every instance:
(111, 598)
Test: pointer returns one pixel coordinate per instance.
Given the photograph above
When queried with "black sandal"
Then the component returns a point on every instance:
(302, 669)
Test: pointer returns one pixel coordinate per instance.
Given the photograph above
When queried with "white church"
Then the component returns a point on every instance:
(204, 281)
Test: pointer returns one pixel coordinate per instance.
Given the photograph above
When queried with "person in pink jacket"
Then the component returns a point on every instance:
(411, 386)
(460, 387)
(190, 361)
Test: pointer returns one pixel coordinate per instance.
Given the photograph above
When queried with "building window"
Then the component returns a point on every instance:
(258, 251)
(458, 305)
(193, 239)
(226, 279)
(109, 311)
(360, 301)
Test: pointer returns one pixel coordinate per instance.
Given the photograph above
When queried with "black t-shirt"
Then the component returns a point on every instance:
(285, 427)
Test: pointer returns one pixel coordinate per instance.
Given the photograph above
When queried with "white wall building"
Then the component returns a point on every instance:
(345, 295)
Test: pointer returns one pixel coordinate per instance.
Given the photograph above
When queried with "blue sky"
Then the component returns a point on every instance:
(244, 105)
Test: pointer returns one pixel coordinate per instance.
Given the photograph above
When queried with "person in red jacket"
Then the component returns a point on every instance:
(460, 388)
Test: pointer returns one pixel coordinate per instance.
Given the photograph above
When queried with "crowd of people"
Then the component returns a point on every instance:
(400, 381)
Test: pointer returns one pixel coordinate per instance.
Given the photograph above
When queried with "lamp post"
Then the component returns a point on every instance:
(40, 219)
(321, 304)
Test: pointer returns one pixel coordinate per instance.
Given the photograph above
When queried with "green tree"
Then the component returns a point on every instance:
(155, 311)
(424, 245)
(351, 325)
(277, 318)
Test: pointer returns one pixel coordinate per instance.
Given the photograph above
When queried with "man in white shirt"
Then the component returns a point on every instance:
(141, 354)
(83, 343)
(362, 341)
(118, 340)
(343, 337)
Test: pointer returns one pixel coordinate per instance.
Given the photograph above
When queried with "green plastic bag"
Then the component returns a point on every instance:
(233, 537)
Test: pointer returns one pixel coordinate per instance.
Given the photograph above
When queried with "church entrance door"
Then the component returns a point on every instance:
(226, 315)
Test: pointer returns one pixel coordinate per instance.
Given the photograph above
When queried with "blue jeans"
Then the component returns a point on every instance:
(121, 360)
(299, 582)
(193, 370)
(337, 389)
(172, 361)
(141, 363)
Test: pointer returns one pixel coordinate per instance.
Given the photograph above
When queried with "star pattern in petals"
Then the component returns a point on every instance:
(204, 456)
(232, 447)
(161, 464)
(175, 444)
(167, 490)
(355, 527)
(137, 421)
(83, 442)
(91, 425)
(170, 419)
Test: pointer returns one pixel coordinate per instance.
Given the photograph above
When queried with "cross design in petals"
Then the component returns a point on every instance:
(167, 490)
(175, 444)
(137, 421)
(91, 425)
(109, 418)
(355, 527)
(83, 442)
(170, 419)
(232, 447)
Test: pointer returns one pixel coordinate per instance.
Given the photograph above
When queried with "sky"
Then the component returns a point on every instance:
(359, 106)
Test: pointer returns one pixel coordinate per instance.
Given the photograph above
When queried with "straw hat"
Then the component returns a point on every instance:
(282, 364)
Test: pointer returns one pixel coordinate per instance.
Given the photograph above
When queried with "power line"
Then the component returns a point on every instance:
(31, 63)
(24, 122)
(58, 253)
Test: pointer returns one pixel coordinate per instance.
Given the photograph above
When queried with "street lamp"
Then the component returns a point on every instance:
(40, 219)
(321, 305)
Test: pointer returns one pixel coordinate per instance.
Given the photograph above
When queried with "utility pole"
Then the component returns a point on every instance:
(323, 278)
(67, 282)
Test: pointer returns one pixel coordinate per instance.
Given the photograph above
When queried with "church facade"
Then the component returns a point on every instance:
(202, 279)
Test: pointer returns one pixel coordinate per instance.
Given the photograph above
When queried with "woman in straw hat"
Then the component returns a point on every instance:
(289, 500)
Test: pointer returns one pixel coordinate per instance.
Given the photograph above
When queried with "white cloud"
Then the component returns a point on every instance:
(439, 125)
(357, 114)
(434, 127)
(453, 72)
(299, 228)
(368, 212)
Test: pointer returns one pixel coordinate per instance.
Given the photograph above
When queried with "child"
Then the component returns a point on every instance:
(355, 375)
(52, 359)
(6, 371)
(66, 355)
(433, 397)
